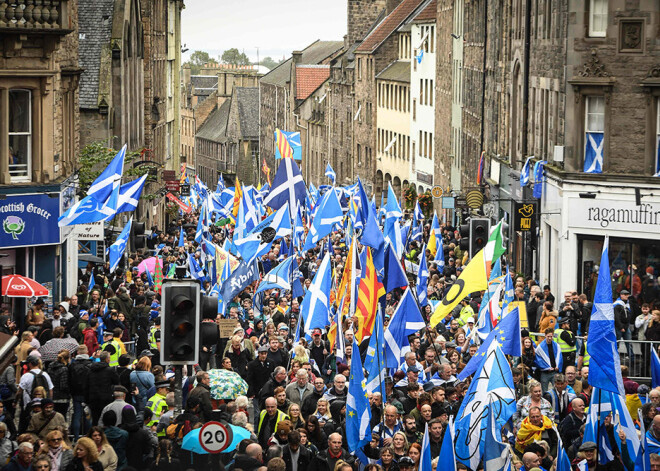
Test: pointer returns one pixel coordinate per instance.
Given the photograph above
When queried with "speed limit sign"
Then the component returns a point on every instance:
(215, 437)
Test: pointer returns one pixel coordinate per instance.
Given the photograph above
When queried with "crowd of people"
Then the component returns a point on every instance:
(86, 391)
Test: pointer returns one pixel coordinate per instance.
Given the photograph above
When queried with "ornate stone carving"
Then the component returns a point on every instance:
(593, 67)
(654, 72)
(631, 36)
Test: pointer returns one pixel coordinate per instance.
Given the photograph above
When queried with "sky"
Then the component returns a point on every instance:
(276, 27)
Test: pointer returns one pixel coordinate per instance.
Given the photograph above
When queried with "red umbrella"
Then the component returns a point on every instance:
(18, 286)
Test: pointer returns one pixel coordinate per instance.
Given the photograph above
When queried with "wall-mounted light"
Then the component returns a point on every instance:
(588, 195)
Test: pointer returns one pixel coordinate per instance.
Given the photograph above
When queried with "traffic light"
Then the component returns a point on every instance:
(137, 235)
(179, 340)
(479, 231)
(464, 230)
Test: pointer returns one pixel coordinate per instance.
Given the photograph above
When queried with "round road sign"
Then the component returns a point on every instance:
(215, 437)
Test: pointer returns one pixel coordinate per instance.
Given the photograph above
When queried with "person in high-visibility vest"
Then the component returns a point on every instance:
(167, 418)
(566, 341)
(156, 403)
(583, 359)
(111, 346)
(154, 335)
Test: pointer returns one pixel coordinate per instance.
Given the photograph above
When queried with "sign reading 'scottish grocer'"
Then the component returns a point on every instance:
(29, 220)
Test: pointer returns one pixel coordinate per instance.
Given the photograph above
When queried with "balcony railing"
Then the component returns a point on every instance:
(34, 15)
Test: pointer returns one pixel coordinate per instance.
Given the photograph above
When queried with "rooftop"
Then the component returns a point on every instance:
(388, 26)
(315, 53)
(94, 31)
(215, 126)
(309, 78)
(247, 99)
(428, 14)
(397, 71)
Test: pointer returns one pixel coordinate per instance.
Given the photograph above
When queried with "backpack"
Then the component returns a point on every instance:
(178, 431)
(38, 380)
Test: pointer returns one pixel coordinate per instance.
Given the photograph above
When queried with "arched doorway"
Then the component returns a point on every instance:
(378, 184)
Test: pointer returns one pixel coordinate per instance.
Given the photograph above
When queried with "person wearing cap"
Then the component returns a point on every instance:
(406, 462)
(90, 333)
(43, 422)
(258, 371)
(119, 395)
(111, 345)
(466, 312)
(410, 359)
(622, 318)
(156, 403)
(319, 349)
(566, 341)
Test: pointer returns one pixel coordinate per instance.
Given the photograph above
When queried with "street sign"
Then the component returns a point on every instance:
(185, 189)
(436, 191)
(524, 217)
(172, 185)
(448, 202)
(215, 437)
(169, 175)
(91, 231)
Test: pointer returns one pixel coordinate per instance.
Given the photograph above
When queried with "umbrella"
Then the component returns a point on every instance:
(226, 384)
(88, 257)
(148, 264)
(18, 286)
(191, 440)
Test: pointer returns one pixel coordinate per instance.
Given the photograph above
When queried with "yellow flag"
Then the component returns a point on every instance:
(472, 279)
(432, 244)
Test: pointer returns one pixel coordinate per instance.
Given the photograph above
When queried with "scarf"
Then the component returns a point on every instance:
(55, 454)
(530, 433)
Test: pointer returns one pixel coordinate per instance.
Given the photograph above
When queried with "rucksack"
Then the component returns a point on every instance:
(38, 380)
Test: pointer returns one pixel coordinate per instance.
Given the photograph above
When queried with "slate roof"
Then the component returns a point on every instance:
(309, 78)
(215, 127)
(312, 54)
(204, 85)
(397, 71)
(247, 99)
(95, 30)
(388, 26)
(428, 14)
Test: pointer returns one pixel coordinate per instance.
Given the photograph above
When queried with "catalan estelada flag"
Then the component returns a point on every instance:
(266, 169)
(369, 291)
(238, 196)
(183, 174)
(283, 144)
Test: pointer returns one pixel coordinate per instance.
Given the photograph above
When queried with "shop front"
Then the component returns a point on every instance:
(575, 220)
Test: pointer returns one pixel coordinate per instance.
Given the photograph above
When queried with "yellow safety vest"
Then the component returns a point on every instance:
(156, 404)
(114, 357)
(565, 348)
(280, 417)
(465, 314)
(586, 357)
(153, 344)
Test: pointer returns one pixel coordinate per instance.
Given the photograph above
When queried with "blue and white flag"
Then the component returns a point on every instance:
(394, 276)
(328, 214)
(405, 321)
(129, 194)
(543, 360)
(422, 280)
(563, 461)
(247, 218)
(116, 250)
(107, 184)
(202, 225)
(330, 173)
(372, 236)
(92, 282)
(182, 237)
(539, 178)
(484, 320)
(524, 173)
(496, 453)
(221, 184)
(358, 409)
(374, 362)
(507, 297)
(505, 336)
(288, 186)
(392, 208)
(420, 56)
(440, 254)
(593, 154)
(447, 450)
(605, 364)
(85, 211)
(194, 268)
(425, 461)
(315, 307)
(243, 275)
(416, 232)
(284, 276)
(643, 462)
(259, 240)
(655, 368)
(418, 215)
(491, 387)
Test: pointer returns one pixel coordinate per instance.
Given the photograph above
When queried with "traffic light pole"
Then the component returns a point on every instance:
(178, 392)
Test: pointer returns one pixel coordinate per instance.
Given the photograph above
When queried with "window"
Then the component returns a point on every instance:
(598, 18)
(594, 131)
(20, 134)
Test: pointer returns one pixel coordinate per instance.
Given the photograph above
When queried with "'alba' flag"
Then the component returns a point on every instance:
(472, 279)
(116, 250)
(369, 292)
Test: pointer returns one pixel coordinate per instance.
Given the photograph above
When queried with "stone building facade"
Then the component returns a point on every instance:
(112, 82)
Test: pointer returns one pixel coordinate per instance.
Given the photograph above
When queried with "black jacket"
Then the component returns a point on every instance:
(203, 393)
(257, 375)
(569, 428)
(309, 403)
(78, 372)
(100, 381)
(246, 463)
(304, 458)
(323, 461)
(268, 388)
(238, 362)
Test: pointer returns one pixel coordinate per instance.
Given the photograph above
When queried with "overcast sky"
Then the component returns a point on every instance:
(275, 27)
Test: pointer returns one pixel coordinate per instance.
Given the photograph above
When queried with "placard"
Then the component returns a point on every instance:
(226, 327)
(91, 231)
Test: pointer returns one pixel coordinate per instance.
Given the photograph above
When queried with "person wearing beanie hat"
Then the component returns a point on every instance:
(43, 422)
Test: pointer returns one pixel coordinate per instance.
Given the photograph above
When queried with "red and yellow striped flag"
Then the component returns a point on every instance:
(344, 290)
(369, 292)
(238, 195)
(283, 144)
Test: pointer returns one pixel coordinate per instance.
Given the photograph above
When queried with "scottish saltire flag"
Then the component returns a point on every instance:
(605, 364)
(655, 368)
(129, 194)
(524, 173)
(374, 362)
(247, 215)
(288, 186)
(330, 173)
(405, 321)
(416, 232)
(440, 254)
(643, 462)
(340, 343)
(563, 461)
(284, 276)
(116, 250)
(221, 184)
(593, 154)
(85, 211)
(422, 280)
(447, 450)
(539, 178)
(507, 297)
(505, 336)
(358, 409)
(195, 270)
(182, 237)
(214, 205)
(284, 250)
(92, 282)
(395, 276)
(484, 320)
(420, 56)
(202, 225)
(315, 307)
(496, 453)
(259, 240)
(392, 234)
(543, 359)
(418, 215)
(372, 236)
(425, 461)
(392, 208)
(491, 387)
(105, 187)
(328, 214)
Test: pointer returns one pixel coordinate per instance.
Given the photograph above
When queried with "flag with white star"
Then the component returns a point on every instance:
(358, 411)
